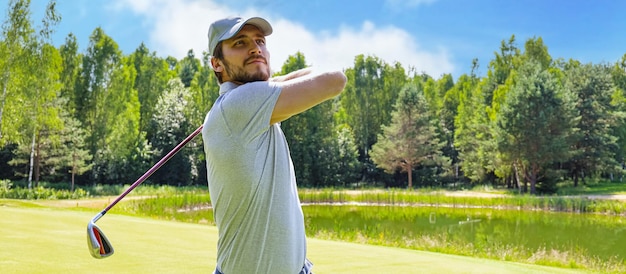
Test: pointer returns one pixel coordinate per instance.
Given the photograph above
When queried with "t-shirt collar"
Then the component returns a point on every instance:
(226, 87)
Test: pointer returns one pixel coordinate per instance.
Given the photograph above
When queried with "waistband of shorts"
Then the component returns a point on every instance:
(306, 269)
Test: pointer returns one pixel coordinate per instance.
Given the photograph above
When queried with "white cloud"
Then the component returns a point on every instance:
(179, 25)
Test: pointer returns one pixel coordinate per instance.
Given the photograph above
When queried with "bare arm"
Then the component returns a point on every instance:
(302, 90)
(292, 75)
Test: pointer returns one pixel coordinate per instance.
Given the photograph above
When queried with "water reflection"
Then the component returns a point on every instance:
(483, 229)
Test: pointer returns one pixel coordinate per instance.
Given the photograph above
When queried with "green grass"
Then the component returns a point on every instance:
(592, 188)
(47, 239)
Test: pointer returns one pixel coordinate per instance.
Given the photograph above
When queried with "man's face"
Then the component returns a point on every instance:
(246, 58)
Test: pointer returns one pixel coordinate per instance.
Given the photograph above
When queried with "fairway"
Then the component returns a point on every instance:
(53, 240)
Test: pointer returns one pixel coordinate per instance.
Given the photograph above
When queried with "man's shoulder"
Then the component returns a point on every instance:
(258, 89)
(257, 85)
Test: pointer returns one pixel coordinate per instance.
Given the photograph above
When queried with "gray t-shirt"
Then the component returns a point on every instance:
(252, 183)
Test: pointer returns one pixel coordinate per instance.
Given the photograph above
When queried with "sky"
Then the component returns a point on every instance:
(431, 36)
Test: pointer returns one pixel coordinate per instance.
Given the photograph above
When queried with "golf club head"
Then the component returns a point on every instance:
(99, 245)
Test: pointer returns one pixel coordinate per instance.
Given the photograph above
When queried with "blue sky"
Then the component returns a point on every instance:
(433, 36)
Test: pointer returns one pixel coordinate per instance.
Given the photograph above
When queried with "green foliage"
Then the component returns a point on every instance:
(172, 127)
(595, 145)
(187, 68)
(368, 99)
(100, 98)
(536, 51)
(204, 90)
(8, 191)
(323, 152)
(535, 125)
(59, 152)
(37, 87)
(410, 140)
(152, 76)
(18, 37)
(503, 64)
(485, 124)
(473, 133)
(344, 167)
(70, 66)
(75, 158)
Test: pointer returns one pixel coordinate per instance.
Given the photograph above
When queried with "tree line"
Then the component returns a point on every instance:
(105, 117)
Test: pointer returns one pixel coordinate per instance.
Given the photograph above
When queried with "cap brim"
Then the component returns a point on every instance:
(258, 22)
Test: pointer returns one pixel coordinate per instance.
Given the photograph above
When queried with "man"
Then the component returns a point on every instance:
(250, 173)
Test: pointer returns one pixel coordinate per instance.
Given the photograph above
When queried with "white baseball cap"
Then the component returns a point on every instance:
(226, 28)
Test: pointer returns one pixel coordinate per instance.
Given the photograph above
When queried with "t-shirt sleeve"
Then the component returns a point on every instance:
(247, 109)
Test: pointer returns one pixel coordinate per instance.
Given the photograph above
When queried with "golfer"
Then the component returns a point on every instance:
(250, 173)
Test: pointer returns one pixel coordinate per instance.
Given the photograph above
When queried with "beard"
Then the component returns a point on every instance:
(239, 74)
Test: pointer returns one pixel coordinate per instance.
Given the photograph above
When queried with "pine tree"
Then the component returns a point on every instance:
(535, 124)
(595, 145)
(411, 139)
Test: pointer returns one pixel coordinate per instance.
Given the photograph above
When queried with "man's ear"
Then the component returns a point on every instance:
(217, 64)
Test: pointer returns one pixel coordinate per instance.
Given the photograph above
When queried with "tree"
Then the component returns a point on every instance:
(595, 144)
(187, 68)
(77, 159)
(500, 68)
(40, 109)
(343, 166)
(203, 91)
(315, 147)
(60, 151)
(153, 73)
(97, 101)
(479, 105)
(447, 109)
(126, 154)
(29, 83)
(411, 139)
(618, 73)
(535, 50)
(535, 124)
(69, 71)
(367, 100)
(17, 35)
(43, 107)
(473, 132)
(172, 127)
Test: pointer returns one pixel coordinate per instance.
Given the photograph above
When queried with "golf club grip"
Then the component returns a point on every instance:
(154, 168)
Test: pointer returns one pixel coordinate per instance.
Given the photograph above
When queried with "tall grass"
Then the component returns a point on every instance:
(60, 191)
(187, 205)
(395, 197)
(8, 191)
(591, 187)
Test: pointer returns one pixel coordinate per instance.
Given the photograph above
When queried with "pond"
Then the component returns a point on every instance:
(495, 233)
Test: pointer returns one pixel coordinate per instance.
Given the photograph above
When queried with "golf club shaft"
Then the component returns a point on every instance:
(150, 171)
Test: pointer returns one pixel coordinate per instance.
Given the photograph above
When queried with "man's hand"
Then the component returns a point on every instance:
(292, 75)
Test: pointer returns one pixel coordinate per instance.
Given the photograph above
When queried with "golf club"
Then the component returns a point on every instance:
(99, 245)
